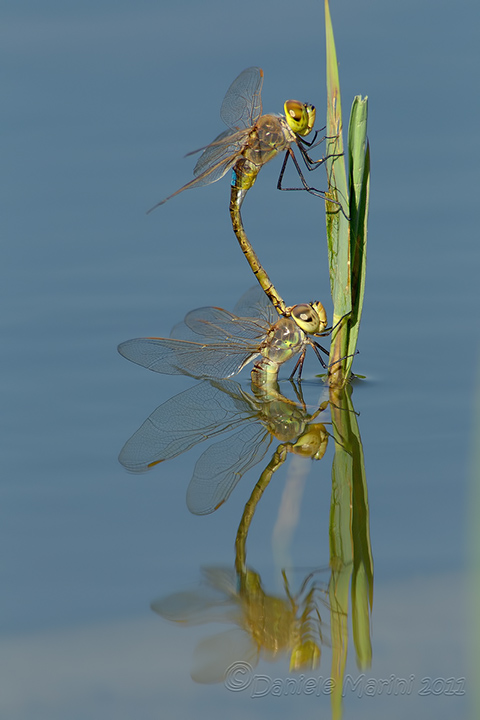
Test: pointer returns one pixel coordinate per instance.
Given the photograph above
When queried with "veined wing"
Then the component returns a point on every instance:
(241, 108)
(215, 161)
(223, 464)
(222, 152)
(214, 323)
(215, 599)
(183, 357)
(200, 605)
(242, 104)
(210, 175)
(254, 303)
(199, 413)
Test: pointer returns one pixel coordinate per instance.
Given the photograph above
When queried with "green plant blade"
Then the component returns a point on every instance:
(337, 224)
(359, 185)
(346, 216)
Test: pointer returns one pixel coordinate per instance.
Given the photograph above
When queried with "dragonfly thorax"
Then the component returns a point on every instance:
(285, 420)
(270, 136)
(284, 340)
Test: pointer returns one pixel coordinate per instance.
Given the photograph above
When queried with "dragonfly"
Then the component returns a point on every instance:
(213, 408)
(262, 624)
(251, 141)
(253, 137)
(214, 343)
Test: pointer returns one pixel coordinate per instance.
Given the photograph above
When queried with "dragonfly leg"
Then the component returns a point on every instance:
(317, 347)
(310, 165)
(344, 358)
(313, 143)
(302, 144)
(306, 186)
(329, 330)
(282, 172)
(298, 367)
(297, 389)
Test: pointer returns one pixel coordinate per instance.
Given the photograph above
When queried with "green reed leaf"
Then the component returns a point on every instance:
(346, 215)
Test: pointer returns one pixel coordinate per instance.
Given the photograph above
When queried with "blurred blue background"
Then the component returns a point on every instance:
(101, 102)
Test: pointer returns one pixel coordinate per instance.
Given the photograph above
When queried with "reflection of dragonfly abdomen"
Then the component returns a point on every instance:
(214, 343)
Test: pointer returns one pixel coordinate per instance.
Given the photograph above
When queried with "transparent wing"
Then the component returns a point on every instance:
(252, 317)
(220, 155)
(255, 303)
(241, 108)
(183, 357)
(214, 600)
(223, 464)
(201, 412)
(242, 104)
(208, 176)
(214, 323)
(190, 607)
(214, 655)
(220, 578)
(215, 161)
(210, 342)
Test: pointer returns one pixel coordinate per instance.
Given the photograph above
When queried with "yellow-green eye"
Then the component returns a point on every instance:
(300, 116)
(310, 318)
(312, 443)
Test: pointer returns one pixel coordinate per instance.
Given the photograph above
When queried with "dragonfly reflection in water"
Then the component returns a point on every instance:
(214, 343)
(212, 408)
(267, 626)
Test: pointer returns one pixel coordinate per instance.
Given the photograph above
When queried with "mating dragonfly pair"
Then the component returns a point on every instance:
(211, 342)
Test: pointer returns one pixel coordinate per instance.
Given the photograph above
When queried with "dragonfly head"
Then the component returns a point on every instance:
(313, 442)
(300, 116)
(310, 318)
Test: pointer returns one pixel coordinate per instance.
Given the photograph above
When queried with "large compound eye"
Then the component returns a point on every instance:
(300, 116)
(320, 312)
(310, 318)
(310, 118)
(313, 442)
